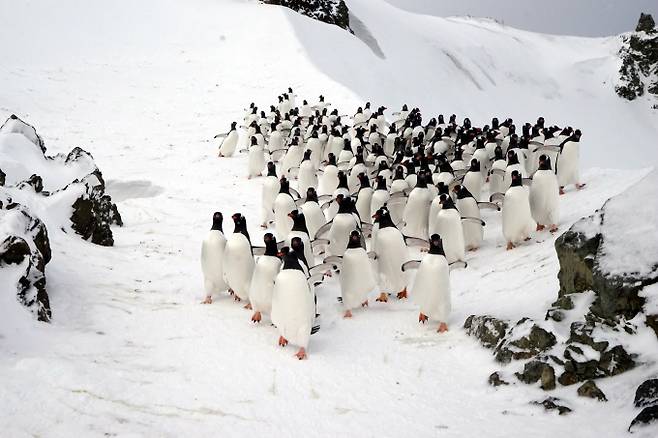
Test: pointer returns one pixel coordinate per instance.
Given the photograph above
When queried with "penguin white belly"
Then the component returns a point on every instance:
(473, 232)
(227, 148)
(271, 188)
(379, 198)
(344, 156)
(449, 226)
(306, 177)
(567, 164)
(275, 141)
(411, 180)
(363, 202)
(399, 185)
(262, 283)
(544, 198)
(238, 264)
(517, 220)
(473, 182)
(292, 159)
(389, 144)
(435, 208)
(356, 278)
(339, 233)
(314, 217)
(308, 251)
(496, 180)
(293, 307)
(283, 205)
(392, 253)
(353, 178)
(416, 213)
(431, 287)
(315, 145)
(212, 262)
(256, 161)
(444, 177)
(328, 181)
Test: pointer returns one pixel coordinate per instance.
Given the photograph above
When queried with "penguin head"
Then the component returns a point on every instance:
(517, 181)
(240, 224)
(446, 202)
(544, 162)
(284, 185)
(498, 153)
(345, 205)
(298, 221)
(441, 120)
(290, 260)
(355, 240)
(254, 140)
(381, 183)
(405, 108)
(271, 169)
(540, 122)
(443, 188)
(311, 195)
(421, 181)
(399, 173)
(347, 145)
(270, 245)
(363, 179)
(462, 192)
(342, 180)
(233, 125)
(307, 155)
(475, 165)
(436, 245)
(494, 123)
(297, 246)
(512, 158)
(331, 159)
(459, 152)
(217, 221)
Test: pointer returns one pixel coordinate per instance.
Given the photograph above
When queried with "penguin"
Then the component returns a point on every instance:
(416, 211)
(262, 281)
(473, 179)
(275, 140)
(513, 165)
(256, 159)
(346, 153)
(364, 199)
(341, 226)
(239, 259)
(380, 196)
(449, 225)
(431, 287)
(398, 185)
(544, 194)
(329, 179)
(436, 206)
(314, 144)
(392, 253)
(341, 190)
(306, 177)
(357, 166)
(313, 212)
(472, 226)
(568, 171)
(517, 219)
(292, 158)
(212, 259)
(227, 147)
(497, 177)
(293, 307)
(356, 277)
(271, 187)
(283, 205)
(300, 230)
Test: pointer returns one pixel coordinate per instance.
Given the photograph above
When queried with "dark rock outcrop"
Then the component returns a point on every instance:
(15, 125)
(328, 11)
(487, 329)
(648, 415)
(535, 371)
(495, 379)
(647, 394)
(517, 345)
(551, 403)
(639, 56)
(2, 178)
(589, 389)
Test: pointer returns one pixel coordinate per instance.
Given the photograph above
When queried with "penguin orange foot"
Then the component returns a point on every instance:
(443, 327)
(301, 354)
(561, 190)
(208, 300)
(402, 294)
(364, 304)
(248, 306)
(348, 314)
(580, 186)
(256, 317)
(383, 298)
(282, 341)
(540, 227)
(422, 318)
(553, 229)
(510, 246)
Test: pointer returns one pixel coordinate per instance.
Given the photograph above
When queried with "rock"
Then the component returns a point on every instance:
(517, 345)
(496, 380)
(576, 253)
(487, 329)
(556, 311)
(645, 24)
(652, 322)
(535, 371)
(35, 181)
(647, 393)
(327, 11)
(639, 55)
(13, 250)
(616, 361)
(547, 378)
(568, 378)
(581, 332)
(646, 416)
(3, 177)
(589, 389)
(15, 125)
(551, 403)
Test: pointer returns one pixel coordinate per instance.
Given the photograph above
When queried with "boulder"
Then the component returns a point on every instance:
(328, 11)
(551, 403)
(648, 415)
(496, 380)
(35, 181)
(647, 394)
(487, 329)
(523, 341)
(589, 389)
(535, 371)
(616, 361)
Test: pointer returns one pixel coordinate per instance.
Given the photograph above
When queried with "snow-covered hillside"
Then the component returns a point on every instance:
(145, 86)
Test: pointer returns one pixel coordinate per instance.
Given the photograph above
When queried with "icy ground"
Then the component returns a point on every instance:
(130, 352)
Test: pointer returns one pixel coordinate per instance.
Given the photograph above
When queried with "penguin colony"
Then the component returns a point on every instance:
(369, 193)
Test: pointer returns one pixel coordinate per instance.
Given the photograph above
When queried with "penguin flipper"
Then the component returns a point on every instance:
(488, 205)
(411, 264)
(334, 260)
(280, 244)
(473, 219)
(458, 264)
(320, 269)
(416, 241)
(315, 329)
(460, 173)
(499, 172)
(366, 228)
(324, 198)
(258, 250)
(294, 192)
(222, 135)
(319, 242)
(316, 278)
(323, 229)
(372, 255)
(326, 205)
(497, 197)
(299, 202)
(277, 154)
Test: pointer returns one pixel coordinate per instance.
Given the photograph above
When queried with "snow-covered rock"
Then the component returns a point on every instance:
(639, 56)
(327, 11)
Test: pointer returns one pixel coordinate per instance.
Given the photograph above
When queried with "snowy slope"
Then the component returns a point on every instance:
(131, 353)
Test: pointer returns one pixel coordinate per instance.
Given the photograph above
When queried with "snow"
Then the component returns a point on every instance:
(130, 352)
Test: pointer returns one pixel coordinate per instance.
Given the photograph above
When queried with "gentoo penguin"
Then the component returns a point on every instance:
(313, 212)
(356, 277)
(472, 224)
(357, 166)
(292, 158)
(473, 179)
(262, 281)
(341, 226)
(283, 205)
(380, 196)
(238, 259)
(271, 187)
(227, 148)
(544, 194)
(449, 225)
(513, 165)
(392, 253)
(497, 177)
(293, 307)
(346, 154)
(256, 159)
(341, 190)
(300, 230)
(398, 185)
(431, 287)
(212, 259)
(517, 219)
(307, 177)
(329, 179)
(315, 146)
(364, 199)
(275, 140)
(568, 171)
(416, 210)
(436, 206)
